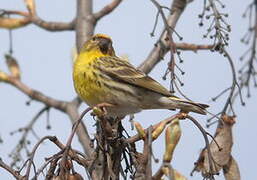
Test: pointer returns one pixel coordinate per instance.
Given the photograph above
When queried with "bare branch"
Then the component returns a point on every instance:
(13, 23)
(149, 153)
(52, 26)
(10, 12)
(10, 170)
(233, 86)
(193, 47)
(158, 52)
(218, 29)
(33, 154)
(16, 153)
(85, 22)
(83, 136)
(210, 171)
(68, 144)
(248, 70)
(107, 9)
(38, 96)
(73, 154)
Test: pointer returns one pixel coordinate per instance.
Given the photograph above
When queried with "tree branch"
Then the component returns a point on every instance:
(68, 144)
(16, 154)
(38, 96)
(82, 132)
(193, 47)
(107, 9)
(10, 12)
(162, 48)
(52, 26)
(85, 22)
(10, 170)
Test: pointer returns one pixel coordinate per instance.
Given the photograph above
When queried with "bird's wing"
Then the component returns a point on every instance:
(122, 70)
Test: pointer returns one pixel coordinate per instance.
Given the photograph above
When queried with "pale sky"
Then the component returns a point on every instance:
(45, 61)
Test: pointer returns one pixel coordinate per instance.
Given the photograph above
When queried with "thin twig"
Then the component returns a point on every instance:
(10, 170)
(23, 141)
(207, 146)
(158, 51)
(31, 158)
(68, 144)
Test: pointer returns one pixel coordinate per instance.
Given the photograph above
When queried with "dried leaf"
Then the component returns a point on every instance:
(221, 154)
(13, 66)
(199, 165)
(224, 139)
(231, 170)
(13, 23)
(172, 136)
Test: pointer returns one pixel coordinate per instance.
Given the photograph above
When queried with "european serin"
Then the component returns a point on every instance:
(101, 77)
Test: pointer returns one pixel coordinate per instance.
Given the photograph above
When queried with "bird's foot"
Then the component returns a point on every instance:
(183, 115)
(100, 109)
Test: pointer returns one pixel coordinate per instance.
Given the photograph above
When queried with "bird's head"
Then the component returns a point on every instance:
(99, 42)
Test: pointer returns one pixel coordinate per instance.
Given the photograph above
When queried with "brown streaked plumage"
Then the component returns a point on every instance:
(107, 78)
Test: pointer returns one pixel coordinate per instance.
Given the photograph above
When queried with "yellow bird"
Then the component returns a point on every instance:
(100, 76)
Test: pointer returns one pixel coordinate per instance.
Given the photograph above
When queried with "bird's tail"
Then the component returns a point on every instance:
(189, 106)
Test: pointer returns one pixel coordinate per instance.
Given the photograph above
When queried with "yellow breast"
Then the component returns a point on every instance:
(86, 79)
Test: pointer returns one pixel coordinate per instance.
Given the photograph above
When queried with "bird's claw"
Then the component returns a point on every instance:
(100, 109)
(183, 115)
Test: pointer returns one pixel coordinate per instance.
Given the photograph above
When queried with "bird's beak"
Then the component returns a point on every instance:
(105, 45)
